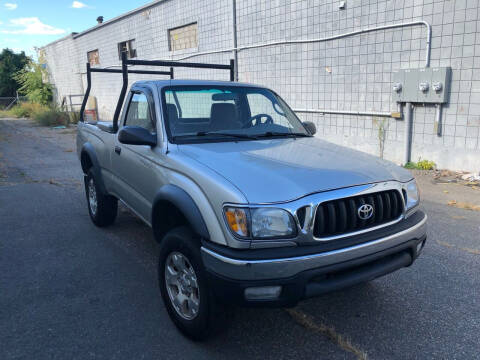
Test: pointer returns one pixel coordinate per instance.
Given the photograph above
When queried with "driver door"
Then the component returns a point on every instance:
(133, 164)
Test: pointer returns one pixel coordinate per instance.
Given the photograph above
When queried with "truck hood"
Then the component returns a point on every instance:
(276, 170)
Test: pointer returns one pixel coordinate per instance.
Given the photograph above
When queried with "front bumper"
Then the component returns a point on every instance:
(312, 274)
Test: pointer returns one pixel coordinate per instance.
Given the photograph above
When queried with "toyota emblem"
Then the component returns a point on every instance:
(365, 211)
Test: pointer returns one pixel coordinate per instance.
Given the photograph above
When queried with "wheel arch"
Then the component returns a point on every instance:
(89, 161)
(176, 207)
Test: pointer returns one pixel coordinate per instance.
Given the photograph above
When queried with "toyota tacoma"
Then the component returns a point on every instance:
(248, 206)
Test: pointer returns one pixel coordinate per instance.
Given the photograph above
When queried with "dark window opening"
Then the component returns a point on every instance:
(93, 57)
(127, 47)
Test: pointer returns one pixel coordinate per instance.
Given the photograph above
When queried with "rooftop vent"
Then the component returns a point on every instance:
(100, 19)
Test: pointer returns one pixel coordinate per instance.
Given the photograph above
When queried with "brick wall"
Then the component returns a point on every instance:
(353, 73)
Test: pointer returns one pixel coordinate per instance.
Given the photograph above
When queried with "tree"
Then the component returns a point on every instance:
(10, 63)
(31, 83)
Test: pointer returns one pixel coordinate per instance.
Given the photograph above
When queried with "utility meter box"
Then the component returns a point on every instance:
(425, 85)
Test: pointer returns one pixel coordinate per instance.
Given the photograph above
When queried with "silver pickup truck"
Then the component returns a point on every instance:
(249, 208)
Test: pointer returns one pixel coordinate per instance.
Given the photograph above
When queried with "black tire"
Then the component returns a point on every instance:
(105, 211)
(209, 318)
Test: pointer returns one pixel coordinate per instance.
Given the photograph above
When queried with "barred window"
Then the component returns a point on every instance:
(183, 37)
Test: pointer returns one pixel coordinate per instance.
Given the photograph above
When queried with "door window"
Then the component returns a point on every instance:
(139, 113)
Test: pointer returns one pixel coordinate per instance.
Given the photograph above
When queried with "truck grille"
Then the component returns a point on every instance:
(341, 216)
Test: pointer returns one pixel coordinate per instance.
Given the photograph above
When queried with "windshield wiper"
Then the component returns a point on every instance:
(240, 136)
(286, 134)
(208, 133)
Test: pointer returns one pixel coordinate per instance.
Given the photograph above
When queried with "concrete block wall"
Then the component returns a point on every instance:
(352, 73)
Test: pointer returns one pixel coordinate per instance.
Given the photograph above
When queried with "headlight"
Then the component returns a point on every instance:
(260, 223)
(271, 222)
(413, 196)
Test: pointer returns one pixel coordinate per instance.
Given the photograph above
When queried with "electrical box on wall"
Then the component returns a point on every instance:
(425, 85)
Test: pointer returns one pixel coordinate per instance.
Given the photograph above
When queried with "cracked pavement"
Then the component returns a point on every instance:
(71, 290)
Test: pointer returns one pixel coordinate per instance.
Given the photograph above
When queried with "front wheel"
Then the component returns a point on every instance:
(184, 286)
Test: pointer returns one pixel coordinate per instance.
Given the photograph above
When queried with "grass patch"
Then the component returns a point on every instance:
(420, 165)
(23, 110)
(51, 117)
(42, 114)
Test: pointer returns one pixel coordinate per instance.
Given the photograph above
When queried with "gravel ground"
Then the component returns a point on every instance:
(70, 290)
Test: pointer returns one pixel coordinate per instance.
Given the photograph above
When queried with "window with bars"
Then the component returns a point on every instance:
(183, 37)
(128, 47)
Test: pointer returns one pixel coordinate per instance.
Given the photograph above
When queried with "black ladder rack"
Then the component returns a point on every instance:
(125, 71)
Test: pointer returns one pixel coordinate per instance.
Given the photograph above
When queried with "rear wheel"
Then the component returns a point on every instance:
(184, 286)
(102, 208)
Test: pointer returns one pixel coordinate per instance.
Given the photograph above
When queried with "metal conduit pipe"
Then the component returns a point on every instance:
(345, 112)
(408, 132)
(234, 37)
(328, 38)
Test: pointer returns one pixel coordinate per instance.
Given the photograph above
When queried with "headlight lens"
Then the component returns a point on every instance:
(271, 222)
(259, 223)
(413, 196)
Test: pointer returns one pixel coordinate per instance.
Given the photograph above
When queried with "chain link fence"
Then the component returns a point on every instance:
(7, 102)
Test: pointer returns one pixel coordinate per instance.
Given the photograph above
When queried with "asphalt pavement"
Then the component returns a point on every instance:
(69, 290)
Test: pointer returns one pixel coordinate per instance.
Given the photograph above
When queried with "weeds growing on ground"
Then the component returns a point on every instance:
(42, 114)
(421, 165)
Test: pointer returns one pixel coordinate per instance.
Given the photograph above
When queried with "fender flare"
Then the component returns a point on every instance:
(89, 150)
(184, 202)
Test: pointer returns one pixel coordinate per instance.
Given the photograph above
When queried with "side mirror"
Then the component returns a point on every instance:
(136, 135)
(310, 126)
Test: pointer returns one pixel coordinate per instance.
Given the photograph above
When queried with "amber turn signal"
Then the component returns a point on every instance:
(237, 220)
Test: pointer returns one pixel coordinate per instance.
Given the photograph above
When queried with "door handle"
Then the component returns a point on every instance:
(118, 149)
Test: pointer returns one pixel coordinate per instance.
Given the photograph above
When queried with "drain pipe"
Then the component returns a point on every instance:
(234, 33)
(408, 132)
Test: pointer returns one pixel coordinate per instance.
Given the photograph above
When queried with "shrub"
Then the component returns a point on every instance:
(51, 117)
(426, 164)
(410, 165)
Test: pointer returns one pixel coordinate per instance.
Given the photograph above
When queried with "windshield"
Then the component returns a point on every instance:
(227, 113)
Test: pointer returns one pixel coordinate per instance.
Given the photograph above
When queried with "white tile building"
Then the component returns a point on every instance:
(352, 73)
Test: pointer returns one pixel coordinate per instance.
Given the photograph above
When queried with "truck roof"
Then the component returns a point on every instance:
(184, 82)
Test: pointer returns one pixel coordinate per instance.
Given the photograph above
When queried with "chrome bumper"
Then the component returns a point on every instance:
(236, 269)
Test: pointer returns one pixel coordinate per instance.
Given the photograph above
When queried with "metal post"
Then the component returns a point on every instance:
(171, 73)
(438, 119)
(408, 132)
(122, 93)
(234, 33)
(232, 70)
(87, 93)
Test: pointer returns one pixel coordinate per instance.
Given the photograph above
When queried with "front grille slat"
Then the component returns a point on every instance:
(342, 216)
(379, 209)
(352, 214)
(331, 224)
(371, 202)
(319, 227)
(388, 206)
